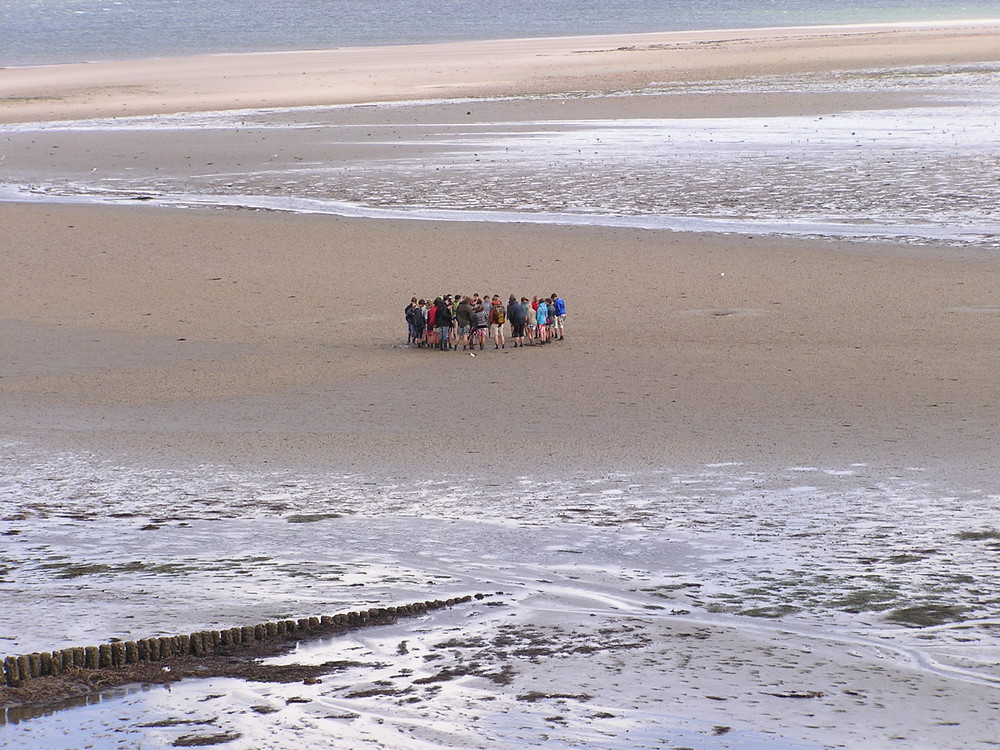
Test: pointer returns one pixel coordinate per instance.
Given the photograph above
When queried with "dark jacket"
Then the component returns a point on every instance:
(516, 314)
(464, 314)
(443, 319)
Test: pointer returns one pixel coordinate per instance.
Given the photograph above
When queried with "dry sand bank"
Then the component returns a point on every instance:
(489, 68)
(253, 336)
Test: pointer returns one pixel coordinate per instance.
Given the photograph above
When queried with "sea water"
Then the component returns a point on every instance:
(51, 31)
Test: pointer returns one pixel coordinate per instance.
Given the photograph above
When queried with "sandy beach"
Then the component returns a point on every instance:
(248, 336)
(172, 339)
(480, 69)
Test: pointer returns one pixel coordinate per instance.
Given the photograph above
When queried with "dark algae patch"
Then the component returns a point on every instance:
(204, 740)
(926, 615)
(313, 517)
(978, 536)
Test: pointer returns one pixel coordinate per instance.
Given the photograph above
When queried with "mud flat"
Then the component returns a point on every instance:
(752, 494)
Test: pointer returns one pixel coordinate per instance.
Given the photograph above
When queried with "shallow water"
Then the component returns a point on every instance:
(838, 545)
(918, 172)
(94, 549)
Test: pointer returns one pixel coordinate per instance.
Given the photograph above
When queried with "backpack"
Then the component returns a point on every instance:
(499, 316)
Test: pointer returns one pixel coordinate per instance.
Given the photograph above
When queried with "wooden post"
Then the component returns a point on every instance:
(166, 645)
(12, 674)
(16, 669)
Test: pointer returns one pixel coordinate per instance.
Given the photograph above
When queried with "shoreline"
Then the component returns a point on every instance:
(699, 34)
(954, 236)
(491, 68)
(837, 28)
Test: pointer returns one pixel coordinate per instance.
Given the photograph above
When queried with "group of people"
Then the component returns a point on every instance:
(454, 321)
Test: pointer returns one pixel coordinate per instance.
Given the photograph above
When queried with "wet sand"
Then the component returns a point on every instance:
(251, 336)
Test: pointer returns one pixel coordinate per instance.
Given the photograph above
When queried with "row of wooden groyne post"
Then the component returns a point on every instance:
(202, 643)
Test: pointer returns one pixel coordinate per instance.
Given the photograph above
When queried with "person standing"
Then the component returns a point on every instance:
(443, 322)
(432, 331)
(517, 318)
(463, 319)
(408, 314)
(560, 314)
(419, 318)
(532, 318)
(481, 325)
(455, 302)
(498, 317)
(542, 315)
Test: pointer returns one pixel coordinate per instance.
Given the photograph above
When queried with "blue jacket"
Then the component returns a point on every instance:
(543, 314)
(560, 306)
